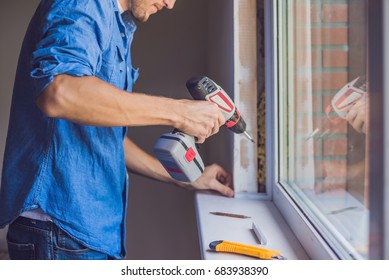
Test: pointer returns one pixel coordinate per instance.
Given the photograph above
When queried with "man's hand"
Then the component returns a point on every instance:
(358, 114)
(214, 178)
(199, 118)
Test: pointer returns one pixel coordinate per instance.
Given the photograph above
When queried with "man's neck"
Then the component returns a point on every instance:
(122, 7)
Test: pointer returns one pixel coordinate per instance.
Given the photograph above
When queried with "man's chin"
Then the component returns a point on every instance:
(141, 18)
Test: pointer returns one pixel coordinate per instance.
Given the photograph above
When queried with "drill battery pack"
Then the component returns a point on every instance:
(179, 156)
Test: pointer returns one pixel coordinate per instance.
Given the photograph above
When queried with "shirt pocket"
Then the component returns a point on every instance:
(113, 68)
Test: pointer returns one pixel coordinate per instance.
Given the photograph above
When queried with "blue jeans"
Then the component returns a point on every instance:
(30, 239)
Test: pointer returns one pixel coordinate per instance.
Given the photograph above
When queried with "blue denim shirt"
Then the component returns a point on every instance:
(75, 173)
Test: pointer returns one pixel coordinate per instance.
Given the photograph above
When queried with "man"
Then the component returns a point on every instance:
(64, 188)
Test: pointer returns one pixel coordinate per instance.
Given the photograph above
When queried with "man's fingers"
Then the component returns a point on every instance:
(200, 140)
(223, 181)
(364, 129)
(351, 115)
(217, 123)
(221, 119)
(222, 175)
(357, 116)
(358, 124)
(217, 186)
(215, 129)
(202, 119)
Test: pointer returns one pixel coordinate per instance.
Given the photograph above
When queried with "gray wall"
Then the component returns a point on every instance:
(170, 48)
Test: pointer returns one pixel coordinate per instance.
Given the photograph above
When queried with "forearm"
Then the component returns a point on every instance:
(91, 101)
(140, 162)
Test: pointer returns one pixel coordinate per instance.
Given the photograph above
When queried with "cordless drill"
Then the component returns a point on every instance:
(178, 151)
(340, 105)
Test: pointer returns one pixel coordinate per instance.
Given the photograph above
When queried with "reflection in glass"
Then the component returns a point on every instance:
(324, 113)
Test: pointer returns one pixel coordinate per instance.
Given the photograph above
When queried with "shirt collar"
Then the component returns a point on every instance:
(128, 21)
(126, 17)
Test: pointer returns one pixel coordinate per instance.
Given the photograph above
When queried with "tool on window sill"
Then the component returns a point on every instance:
(230, 215)
(243, 249)
(259, 234)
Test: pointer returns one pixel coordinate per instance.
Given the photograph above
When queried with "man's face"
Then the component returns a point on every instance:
(142, 9)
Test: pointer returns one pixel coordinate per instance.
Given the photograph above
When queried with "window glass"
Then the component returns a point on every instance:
(322, 113)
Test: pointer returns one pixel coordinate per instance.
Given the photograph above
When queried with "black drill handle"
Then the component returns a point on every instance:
(200, 86)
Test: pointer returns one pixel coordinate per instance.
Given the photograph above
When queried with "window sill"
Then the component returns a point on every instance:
(265, 215)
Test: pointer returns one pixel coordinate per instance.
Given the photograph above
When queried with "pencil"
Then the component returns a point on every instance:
(230, 215)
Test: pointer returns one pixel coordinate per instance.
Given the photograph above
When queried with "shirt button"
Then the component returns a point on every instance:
(123, 35)
(128, 69)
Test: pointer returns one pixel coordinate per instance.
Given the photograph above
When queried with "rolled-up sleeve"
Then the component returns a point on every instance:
(73, 42)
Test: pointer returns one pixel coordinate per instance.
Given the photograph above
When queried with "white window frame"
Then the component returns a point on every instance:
(309, 236)
(245, 97)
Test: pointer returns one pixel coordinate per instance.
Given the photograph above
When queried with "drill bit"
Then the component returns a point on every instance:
(312, 134)
(248, 136)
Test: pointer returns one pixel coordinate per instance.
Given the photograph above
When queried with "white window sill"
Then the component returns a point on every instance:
(340, 217)
(265, 215)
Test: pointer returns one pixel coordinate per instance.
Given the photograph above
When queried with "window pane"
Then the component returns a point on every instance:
(323, 109)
